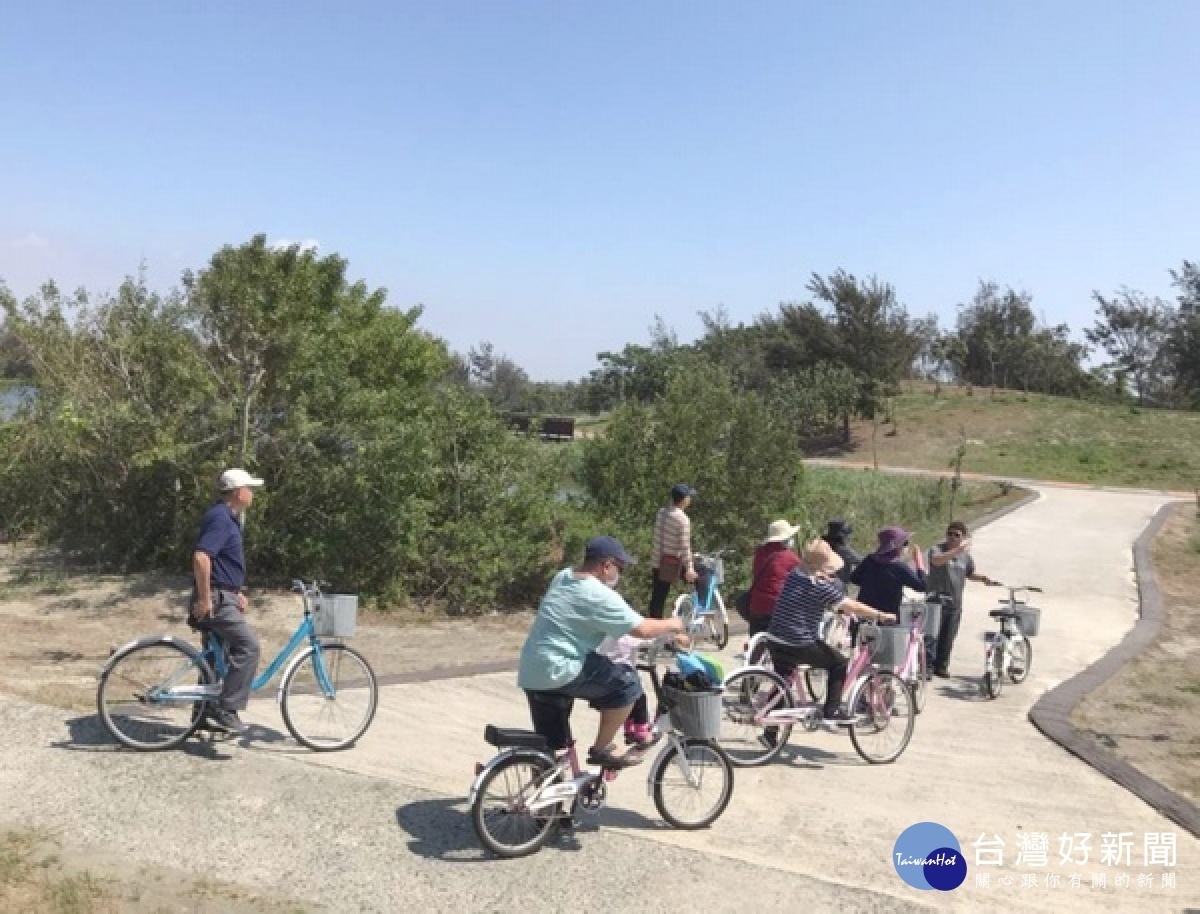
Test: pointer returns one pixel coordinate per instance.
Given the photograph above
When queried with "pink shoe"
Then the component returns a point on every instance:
(640, 735)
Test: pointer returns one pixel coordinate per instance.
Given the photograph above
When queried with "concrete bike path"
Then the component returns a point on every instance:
(976, 766)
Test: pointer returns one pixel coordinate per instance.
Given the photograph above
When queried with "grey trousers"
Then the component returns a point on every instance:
(229, 624)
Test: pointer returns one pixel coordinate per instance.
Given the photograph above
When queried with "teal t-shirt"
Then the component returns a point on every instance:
(575, 615)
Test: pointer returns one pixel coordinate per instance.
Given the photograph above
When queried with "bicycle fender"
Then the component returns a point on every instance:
(502, 756)
(124, 649)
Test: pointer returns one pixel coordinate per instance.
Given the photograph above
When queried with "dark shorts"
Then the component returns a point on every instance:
(604, 685)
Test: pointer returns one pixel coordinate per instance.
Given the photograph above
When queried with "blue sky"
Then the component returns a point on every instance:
(551, 175)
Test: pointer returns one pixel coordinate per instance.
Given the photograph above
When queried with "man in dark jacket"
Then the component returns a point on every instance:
(837, 535)
(882, 576)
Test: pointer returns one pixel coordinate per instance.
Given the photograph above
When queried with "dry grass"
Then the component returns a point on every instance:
(60, 627)
(39, 876)
(1149, 713)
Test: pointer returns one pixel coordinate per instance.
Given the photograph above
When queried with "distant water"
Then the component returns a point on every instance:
(11, 398)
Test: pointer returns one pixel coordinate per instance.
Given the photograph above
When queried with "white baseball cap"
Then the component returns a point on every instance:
(235, 479)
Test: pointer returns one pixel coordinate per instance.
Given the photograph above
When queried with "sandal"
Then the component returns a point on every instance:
(607, 760)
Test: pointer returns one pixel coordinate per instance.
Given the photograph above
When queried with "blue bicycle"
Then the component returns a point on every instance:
(703, 610)
(154, 692)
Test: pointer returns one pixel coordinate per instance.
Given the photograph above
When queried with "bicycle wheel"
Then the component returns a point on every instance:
(1022, 660)
(882, 706)
(135, 697)
(500, 814)
(718, 622)
(993, 675)
(745, 738)
(333, 713)
(696, 796)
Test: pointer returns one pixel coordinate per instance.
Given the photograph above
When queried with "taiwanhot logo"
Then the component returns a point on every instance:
(928, 856)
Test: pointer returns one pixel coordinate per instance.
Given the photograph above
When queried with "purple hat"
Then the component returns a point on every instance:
(892, 541)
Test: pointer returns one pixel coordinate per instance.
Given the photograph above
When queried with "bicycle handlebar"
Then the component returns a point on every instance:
(309, 590)
(1024, 587)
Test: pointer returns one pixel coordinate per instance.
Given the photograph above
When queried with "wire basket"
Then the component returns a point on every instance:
(891, 646)
(710, 566)
(1029, 618)
(697, 715)
(931, 617)
(336, 615)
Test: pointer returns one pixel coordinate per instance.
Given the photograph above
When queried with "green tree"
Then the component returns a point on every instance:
(876, 338)
(731, 444)
(1183, 343)
(381, 477)
(1133, 329)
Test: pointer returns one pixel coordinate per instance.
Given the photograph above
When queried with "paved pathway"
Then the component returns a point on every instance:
(974, 766)
(382, 827)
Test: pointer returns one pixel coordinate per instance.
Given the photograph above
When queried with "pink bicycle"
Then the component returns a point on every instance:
(914, 669)
(760, 708)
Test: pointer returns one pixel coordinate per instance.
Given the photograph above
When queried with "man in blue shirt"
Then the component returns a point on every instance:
(219, 604)
(559, 662)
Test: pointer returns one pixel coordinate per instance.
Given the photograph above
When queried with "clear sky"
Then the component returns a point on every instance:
(550, 175)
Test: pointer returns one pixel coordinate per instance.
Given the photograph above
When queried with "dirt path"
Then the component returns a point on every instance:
(58, 629)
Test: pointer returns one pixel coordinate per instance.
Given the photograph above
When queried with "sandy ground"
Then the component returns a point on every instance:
(58, 629)
(1149, 714)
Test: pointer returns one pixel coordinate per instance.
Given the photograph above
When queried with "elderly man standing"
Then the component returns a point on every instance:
(219, 601)
(950, 565)
(672, 557)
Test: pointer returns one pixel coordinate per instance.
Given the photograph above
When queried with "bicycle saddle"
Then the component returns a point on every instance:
(1003, 614)
(504, 738)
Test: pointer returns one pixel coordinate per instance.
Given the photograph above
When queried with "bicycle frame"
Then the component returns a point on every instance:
(550, 791)
(214, 655)
(911, 667)
(806, 708)
(1002, 640)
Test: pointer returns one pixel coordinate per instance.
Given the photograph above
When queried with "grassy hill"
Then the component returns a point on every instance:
(1036, 437)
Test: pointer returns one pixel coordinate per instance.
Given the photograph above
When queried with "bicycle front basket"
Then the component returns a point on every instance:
(710, 566)
(696, 715)
(336, 615)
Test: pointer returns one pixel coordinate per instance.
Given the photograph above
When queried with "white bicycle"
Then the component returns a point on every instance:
(1009, 652)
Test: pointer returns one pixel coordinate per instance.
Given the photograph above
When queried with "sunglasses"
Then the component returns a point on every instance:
(957, 533)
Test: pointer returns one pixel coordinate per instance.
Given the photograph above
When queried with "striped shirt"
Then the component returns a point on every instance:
(672, 535)
(801, 605)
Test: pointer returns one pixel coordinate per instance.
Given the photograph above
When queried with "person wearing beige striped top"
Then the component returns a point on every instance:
(672, 558)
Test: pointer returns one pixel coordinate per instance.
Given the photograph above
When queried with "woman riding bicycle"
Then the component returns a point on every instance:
(808, 593)
(559, 662)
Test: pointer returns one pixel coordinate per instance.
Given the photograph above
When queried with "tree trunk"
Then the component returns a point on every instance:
(251, 390)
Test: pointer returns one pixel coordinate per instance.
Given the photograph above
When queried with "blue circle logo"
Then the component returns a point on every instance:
(928, 856)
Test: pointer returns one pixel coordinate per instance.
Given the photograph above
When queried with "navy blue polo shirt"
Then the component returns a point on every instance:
(221, 540)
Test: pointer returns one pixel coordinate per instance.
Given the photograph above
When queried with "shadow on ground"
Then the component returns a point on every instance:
(87, 733)
(440, 829)
(961, 688)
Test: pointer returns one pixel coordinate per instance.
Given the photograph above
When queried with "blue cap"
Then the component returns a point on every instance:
(607, 547)
(681, 491)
